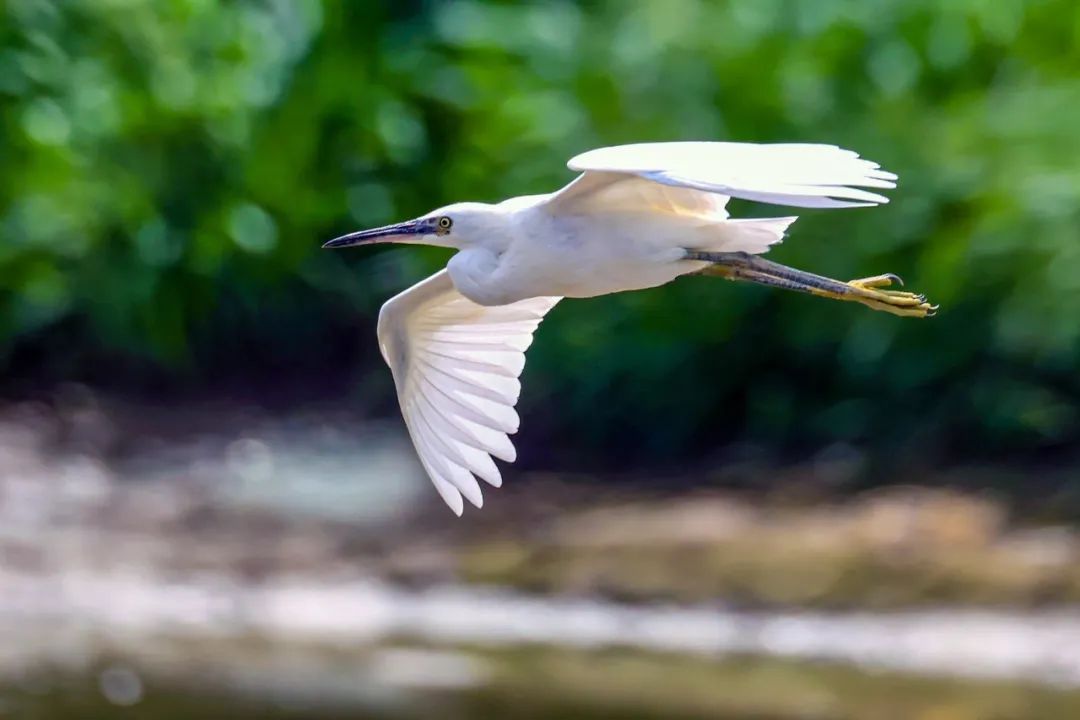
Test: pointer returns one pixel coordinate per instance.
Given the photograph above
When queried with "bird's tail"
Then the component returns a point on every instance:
(752, 235)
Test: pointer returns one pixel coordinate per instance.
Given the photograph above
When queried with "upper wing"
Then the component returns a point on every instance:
(593, 191)
(683, 175)
(456, 366)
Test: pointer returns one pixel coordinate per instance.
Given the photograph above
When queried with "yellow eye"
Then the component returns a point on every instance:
(445, 223)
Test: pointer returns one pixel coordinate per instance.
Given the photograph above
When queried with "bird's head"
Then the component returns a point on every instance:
(454, 226)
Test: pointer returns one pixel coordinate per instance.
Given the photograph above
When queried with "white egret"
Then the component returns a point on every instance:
(636, 217)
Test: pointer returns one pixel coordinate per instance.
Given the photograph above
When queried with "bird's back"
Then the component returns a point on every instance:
(587, 254)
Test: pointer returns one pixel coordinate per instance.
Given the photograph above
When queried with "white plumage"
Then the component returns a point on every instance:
(638, 216)
(799, 175)
(456, 366)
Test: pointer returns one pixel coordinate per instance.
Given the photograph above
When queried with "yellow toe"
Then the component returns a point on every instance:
(878, 281)
(896, 302)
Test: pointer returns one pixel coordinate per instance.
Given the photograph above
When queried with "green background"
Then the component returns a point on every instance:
(170, 169)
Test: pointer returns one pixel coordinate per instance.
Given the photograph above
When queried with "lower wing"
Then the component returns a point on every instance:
(456, 366)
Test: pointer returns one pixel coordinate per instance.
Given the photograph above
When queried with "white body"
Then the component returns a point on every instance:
(456, 341)
(538, 252)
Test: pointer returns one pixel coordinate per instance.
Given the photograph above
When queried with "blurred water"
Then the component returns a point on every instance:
(403, 682)
(124, 613)
(77, 698)
(210, 575)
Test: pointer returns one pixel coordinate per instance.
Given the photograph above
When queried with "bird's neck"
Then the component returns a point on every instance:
(474, 272)
(475, 269)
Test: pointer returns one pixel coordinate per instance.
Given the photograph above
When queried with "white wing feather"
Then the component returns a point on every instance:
(800, 175)
(456, 366)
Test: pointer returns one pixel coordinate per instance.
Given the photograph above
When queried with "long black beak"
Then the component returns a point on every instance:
(399, 232)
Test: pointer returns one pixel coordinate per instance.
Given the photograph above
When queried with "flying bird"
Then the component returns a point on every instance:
(637, 216)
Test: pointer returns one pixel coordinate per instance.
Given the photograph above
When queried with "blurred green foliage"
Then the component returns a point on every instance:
(170, 169)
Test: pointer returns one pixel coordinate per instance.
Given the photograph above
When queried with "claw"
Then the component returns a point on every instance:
(895, 278)
(897, 302)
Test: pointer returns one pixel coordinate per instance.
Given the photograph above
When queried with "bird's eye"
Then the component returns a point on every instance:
(445, 223)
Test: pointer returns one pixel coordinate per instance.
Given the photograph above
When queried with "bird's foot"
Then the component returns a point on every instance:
(897, 302)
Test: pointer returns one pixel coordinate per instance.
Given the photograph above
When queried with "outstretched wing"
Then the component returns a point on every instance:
(456, 366)
(696, 178)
